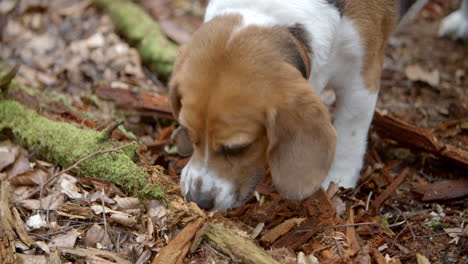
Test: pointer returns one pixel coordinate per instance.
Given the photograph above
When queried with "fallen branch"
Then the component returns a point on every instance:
(418, 138)
(63, 144)
(144, 103)
(144, 33)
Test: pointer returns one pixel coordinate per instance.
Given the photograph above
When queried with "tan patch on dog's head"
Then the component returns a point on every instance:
(245, 103)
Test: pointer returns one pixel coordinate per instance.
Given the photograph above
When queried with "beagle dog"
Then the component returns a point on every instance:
(246, 88)
(455, 25)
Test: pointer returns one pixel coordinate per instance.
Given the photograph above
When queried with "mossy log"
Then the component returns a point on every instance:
(144, 33)
(63, 144)
(238, 248)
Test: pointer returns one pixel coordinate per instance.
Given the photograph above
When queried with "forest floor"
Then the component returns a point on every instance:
(411, 206)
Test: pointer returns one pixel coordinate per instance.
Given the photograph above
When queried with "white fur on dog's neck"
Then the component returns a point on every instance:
(319, 18)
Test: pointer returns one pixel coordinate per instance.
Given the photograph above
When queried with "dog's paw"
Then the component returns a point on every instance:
(455, 26)
(344, 177)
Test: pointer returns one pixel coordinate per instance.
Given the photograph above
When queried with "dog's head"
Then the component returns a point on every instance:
(243, 98)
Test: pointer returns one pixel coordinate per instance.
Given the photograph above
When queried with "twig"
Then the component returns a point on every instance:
(338, 248)
(6, 79)
(220, 255)
(338, 226)
(41, 196)
(439, 234)
(389, 190)
(411, 14)
(76, 164)
(320, 249)
(109, 130)
(104, 212)
(406, 220)
(368, 200)
(398, 235)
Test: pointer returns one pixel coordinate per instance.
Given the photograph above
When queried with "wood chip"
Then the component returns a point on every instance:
(422, 259)
(443, 190)
(177, 249)
(273, 234)
(375, 205)
(418, 138)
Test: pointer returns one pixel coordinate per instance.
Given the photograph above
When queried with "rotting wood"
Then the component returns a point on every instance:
(7, 235)
(18, 225)
(443, 190)
(177, 249)
(375, 205)
(142, 102)
(238, 248)
(418, 138)
(144, 33)
(63, 144)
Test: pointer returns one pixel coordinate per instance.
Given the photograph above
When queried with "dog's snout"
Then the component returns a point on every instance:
(204, 200)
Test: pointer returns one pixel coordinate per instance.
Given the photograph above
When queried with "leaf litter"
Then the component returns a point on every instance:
(70, 50)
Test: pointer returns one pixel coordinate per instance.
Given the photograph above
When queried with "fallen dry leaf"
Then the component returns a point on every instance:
(8, 153)
(75, 209)
(123, 219)
(68, 187)
(98, 197)
(65, 240)
(96, 234)
(422, 259)
(124, 203)
(31, 259)
(21, 165)
(32, 177)
(42, 245)
(157, 212)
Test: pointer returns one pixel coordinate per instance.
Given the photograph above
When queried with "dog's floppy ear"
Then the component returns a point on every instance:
(301, 144)
(174, 94)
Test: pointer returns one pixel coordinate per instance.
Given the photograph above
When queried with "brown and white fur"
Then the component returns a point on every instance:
(247, 89)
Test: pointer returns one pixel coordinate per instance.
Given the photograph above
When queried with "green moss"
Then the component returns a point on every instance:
(384, 221)
(64, 144)
(142, 32)
(433, 224)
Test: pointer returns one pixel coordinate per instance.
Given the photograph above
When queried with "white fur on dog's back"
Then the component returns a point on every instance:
(320, 18)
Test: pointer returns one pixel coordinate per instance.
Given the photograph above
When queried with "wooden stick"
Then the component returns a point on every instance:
(375, 205)
(235, 246)
(177, 249)
(418, 138)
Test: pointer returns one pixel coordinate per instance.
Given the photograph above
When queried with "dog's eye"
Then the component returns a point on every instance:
(233, 150)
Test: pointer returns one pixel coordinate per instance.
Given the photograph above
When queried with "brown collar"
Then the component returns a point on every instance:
(303, 52)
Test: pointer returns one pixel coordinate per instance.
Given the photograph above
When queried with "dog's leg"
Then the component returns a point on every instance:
(354, 111)
(455, 25)
(356, 81)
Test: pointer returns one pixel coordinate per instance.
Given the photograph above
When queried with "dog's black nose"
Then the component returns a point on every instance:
(203, 200)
